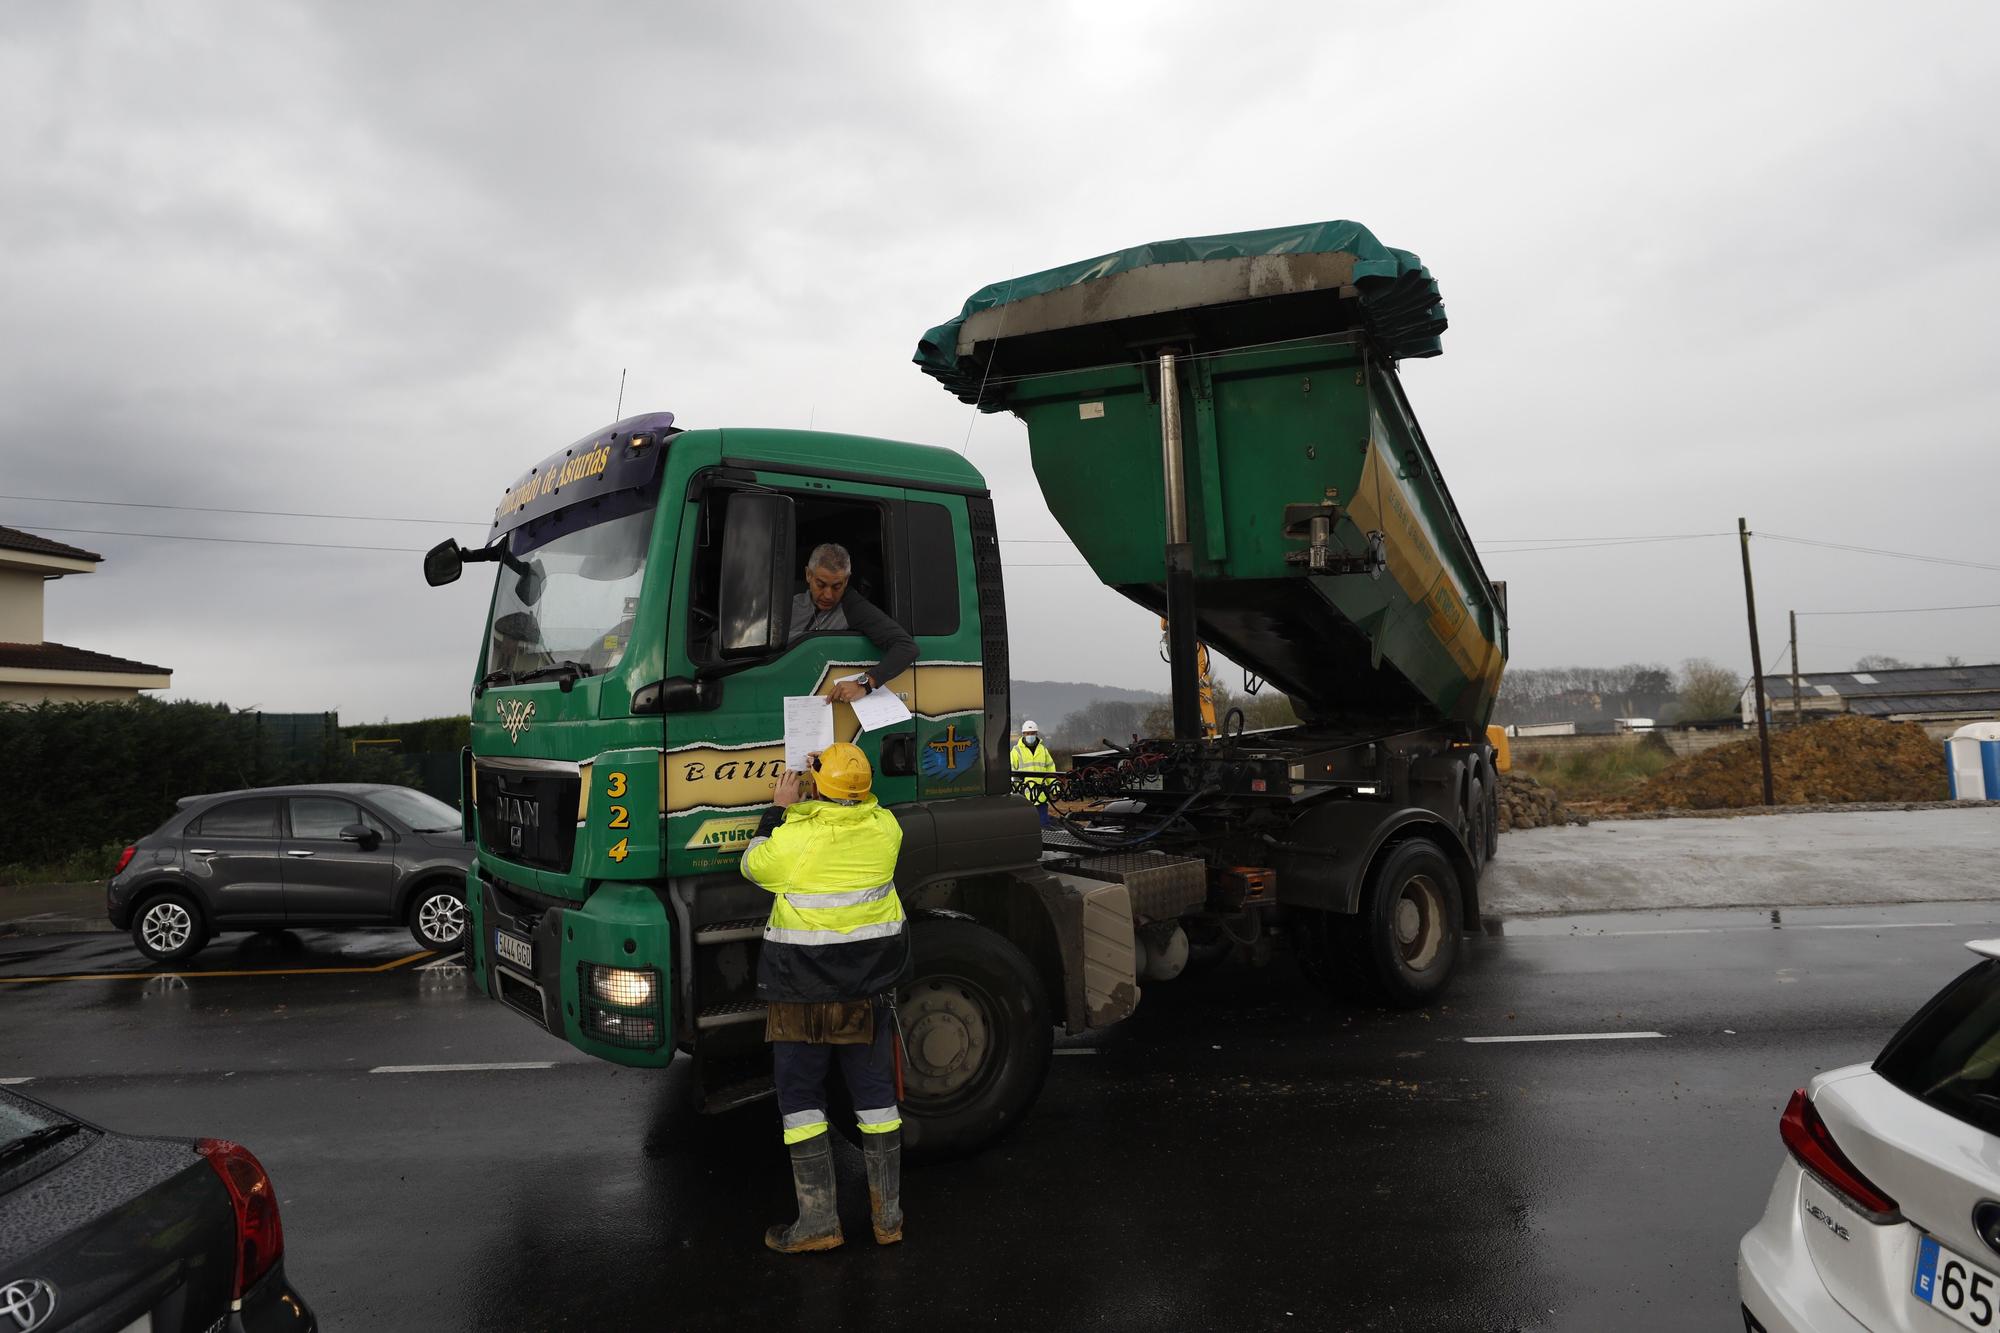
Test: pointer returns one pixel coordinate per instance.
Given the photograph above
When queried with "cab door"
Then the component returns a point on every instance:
(719, 779)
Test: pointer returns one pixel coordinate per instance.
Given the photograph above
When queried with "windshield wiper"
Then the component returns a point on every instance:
(36, 1140)
(570, 672)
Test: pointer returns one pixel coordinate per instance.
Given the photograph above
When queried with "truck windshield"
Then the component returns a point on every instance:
(575, 602)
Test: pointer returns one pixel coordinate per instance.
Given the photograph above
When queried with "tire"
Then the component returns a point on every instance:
(977, 1033)
(1493, 816)
(1475, 823)
(169, 927)
(437, 919)
(1406, 939)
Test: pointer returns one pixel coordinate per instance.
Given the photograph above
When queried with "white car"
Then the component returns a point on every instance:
(1887, 1214)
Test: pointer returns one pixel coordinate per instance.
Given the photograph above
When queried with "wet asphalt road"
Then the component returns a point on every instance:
(1241, 1155)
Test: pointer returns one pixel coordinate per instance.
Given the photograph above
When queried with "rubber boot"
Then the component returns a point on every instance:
(883, 1154)
(818, 1227)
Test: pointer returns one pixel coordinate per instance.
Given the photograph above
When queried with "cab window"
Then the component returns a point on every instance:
(861, 526)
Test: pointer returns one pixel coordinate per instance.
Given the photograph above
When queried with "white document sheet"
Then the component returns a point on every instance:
(879, 708)
(808, 727)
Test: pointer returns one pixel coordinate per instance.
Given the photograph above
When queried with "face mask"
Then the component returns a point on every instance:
(1031, 741)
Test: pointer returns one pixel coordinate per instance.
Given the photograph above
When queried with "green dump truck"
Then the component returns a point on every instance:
(1217, 423)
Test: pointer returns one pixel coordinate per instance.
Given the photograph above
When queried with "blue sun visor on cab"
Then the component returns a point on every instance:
(623, 456)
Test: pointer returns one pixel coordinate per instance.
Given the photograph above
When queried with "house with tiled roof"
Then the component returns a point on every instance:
(32, 669)
(1941, 698)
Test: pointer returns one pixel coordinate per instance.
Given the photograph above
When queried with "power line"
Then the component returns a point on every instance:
(1590, 545)
(1658, 537)
(234, 541)
(207, 509)
(1876, 550)
(1907, 610)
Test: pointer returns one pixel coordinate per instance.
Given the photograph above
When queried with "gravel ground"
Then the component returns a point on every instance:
(1933, 853)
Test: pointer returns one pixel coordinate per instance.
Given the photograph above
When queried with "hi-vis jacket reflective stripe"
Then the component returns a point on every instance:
(836, 930)
(1037, 760)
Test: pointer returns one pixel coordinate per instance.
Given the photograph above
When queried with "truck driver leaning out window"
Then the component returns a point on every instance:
(829, 604)
(835, 949)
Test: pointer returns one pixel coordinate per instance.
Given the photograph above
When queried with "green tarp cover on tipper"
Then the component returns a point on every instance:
(1399, 299)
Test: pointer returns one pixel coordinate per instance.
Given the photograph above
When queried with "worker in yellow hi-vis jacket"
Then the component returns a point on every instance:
(835, 948)
(1031, 757)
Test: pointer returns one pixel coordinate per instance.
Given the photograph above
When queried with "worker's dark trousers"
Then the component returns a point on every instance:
(801, 1069)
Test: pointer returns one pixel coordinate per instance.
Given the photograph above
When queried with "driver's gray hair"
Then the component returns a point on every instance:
(831, 557)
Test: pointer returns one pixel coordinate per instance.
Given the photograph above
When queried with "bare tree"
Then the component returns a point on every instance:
(1113, 720)
(1707, 691)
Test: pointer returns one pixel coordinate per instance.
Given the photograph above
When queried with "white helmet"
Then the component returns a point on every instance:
(1029, 728)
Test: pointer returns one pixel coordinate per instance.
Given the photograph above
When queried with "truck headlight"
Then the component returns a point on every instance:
(626, 987)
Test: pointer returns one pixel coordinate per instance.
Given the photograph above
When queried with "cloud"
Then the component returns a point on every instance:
(1699, 262)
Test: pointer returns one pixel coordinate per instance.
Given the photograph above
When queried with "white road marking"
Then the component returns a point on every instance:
(448, 960)
(1572, 1036)
(462, 1069)
(1721, 930)
(15, 1082)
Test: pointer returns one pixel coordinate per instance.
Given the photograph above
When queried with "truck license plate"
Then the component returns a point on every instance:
(514, 949)
(1955, 1287)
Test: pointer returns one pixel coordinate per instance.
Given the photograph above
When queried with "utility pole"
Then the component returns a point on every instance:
(1756, 661)
(1797, 717)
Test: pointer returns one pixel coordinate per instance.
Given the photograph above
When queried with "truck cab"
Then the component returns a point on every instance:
(627, 735)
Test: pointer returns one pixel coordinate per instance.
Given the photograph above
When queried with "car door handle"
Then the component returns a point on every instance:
(201, 851)
(297, 853)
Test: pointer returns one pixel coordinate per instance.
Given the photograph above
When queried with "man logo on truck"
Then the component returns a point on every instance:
(514, 715)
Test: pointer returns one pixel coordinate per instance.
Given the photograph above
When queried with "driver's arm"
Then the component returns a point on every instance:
(898, 649)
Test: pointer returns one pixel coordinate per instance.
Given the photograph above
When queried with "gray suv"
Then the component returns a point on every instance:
(332, 854)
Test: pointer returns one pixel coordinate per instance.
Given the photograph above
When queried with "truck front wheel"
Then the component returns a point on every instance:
(1407, 934)
(976, 1034)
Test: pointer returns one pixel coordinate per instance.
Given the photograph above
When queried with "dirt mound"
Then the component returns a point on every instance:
(1842, 759)
(1526, 803)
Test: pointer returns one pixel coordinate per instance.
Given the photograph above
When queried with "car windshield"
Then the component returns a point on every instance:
(575, 599)
(19, 1119)
(420, 810)
(1949, 1054)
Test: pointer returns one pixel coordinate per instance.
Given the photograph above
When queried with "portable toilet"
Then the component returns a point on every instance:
(1973, 757)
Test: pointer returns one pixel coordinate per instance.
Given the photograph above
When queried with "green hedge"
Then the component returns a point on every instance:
(431, 734)
(77, 776)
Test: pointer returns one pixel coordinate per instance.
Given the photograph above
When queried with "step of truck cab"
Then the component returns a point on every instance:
(729, 1013)
(728, 932)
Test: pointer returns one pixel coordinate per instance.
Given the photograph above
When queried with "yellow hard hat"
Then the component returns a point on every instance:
(841, 772)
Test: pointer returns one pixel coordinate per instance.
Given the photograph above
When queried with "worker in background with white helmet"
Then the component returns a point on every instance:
(1029, 758)
(835, 949)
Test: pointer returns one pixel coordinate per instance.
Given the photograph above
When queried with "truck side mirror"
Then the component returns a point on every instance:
(754, 596)
(443, 563)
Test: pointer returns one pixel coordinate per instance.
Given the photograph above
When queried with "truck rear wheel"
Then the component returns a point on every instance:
(1406, 939)
(1493, 816)
(977, 1037)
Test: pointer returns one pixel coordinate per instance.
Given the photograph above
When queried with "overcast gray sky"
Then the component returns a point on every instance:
(1700, 260)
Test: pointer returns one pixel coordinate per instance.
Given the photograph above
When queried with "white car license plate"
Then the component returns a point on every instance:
(1956, 1288)
(514, 949)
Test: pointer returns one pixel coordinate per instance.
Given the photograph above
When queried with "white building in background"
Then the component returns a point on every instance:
(33, 670)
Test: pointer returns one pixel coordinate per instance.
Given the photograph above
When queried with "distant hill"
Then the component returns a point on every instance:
(1050, 701)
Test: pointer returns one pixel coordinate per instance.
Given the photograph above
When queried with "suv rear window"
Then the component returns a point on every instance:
(1948, 1056)
(238, 819)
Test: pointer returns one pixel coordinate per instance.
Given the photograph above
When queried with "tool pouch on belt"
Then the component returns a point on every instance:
(824, 1023)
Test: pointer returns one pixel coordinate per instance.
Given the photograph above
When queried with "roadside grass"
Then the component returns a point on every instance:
(78, 867)
(1598, 774)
